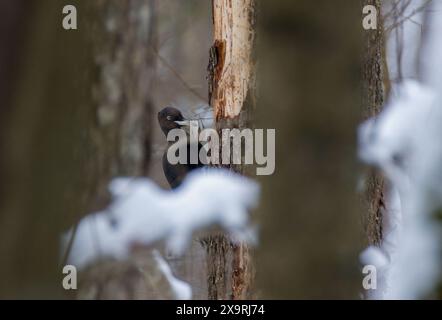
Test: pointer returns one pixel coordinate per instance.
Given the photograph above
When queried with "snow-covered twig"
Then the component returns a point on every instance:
(143, 213)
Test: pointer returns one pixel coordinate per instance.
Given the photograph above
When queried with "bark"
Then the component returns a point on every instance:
(310, 67)
(232, 95)
(126, 62)
(374, 88)
(126, 68)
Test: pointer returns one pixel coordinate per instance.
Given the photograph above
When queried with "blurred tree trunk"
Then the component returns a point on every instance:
(375, 85)
(79, 113)
(310, 72)
(126, 63)
(429, 70)
(232, 96)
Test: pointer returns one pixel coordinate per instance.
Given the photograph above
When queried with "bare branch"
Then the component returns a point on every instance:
(408, 17)
(177, 75)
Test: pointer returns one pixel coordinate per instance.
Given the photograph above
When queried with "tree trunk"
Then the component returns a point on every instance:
(80, 98)
(232, 96)
(375, 85)
(310, 80)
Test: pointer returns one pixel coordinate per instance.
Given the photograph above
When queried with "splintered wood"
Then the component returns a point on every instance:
(233, 23)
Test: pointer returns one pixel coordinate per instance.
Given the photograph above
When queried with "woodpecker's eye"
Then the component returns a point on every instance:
(169, 118)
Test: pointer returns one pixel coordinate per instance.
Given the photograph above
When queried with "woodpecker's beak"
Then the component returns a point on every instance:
(182, 123)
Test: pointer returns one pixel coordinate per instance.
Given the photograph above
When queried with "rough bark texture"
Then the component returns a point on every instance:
(122, 93)
(234, 36)
(71, 115)
(310, 74)
(218, 253)
(375, 85)
(231, 74)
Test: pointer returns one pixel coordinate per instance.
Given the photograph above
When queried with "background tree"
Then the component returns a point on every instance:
(232, 95)
(77, 113)
(375, 87)
(311, 82)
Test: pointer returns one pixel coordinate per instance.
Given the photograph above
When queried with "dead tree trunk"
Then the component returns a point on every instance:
(125, 61)
(232, 96)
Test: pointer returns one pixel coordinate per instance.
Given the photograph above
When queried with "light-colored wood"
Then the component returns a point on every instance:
(234, 37)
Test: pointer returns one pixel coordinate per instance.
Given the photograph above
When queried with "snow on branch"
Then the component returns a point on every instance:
(404, 142)
(143, 213)
(182, 290)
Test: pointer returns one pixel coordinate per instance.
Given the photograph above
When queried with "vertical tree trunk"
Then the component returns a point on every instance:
(80, 98)
(126, 62)
(232, 96)
(124, 52)
(375, 84)
(310, 71)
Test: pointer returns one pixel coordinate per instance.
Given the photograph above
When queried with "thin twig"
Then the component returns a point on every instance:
(177, 75)
(408, 17)
(70, 243)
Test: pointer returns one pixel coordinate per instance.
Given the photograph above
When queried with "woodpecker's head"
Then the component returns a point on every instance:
(171, 118)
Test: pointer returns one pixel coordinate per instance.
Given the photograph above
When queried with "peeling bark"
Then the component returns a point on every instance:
(218, 249)
(231, 75)
(234, 37)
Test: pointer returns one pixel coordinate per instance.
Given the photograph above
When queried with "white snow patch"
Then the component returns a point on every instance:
(182, 290)
(404, 141)
(143, 213)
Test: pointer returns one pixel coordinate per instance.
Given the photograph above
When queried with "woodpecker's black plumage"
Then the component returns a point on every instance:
(175, 173)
